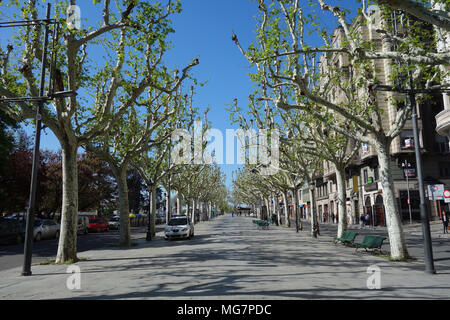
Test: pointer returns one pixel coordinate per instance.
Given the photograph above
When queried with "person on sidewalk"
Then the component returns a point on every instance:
(367, 219)
(445, 221)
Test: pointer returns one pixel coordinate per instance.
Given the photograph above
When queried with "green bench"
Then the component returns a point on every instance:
(347, 237)
(370, 242)
(263, 224)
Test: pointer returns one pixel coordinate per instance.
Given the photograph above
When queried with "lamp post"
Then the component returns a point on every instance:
(406, 165)
(26, 271)
(411, 100)
(28, 243)
(428, 250)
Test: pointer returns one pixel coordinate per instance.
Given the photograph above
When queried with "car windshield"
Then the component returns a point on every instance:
(37, 223)
(178, 222)
(115, 219)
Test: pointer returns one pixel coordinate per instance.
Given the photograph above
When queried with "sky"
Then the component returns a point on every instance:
(203, 30)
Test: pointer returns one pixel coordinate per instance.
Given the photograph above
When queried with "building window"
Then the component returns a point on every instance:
(441, 144)
(444, 169)
(407, 139)
(366, 176)
(376, 173)
(365, 148)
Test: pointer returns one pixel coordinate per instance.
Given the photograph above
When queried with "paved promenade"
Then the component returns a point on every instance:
(229, 259)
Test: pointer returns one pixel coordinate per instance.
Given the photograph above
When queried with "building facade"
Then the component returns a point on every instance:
(363, 188)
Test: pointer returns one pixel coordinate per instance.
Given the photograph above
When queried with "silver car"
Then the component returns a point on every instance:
(179, 228)
(46, 229)
(114, 223)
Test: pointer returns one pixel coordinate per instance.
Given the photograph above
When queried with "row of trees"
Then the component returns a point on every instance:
(325, 111)
(128, 103)
(97, 190)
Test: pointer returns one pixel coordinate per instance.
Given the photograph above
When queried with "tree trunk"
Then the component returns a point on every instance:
(168, 213)
(298, 221)
(188, 209)
(67, 246)
(393, 219)
(342, 199)
(277, 209)
(193, 211)
(210, 210)
(286, 210)
(125, 232)
(153, 211)
(178, 203)
(314, 221)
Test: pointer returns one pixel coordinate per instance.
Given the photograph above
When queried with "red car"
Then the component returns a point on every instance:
(98, 225)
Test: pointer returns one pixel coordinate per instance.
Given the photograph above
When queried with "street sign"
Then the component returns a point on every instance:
(446, 194)
(436, 192)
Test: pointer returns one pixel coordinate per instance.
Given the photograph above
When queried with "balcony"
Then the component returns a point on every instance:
(443, 123)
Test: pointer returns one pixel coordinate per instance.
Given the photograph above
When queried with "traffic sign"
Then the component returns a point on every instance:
(436, 191)
(446, 193)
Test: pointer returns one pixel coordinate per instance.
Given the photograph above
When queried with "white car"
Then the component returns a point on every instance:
(179, 228)
(44, 229)
(114, 223)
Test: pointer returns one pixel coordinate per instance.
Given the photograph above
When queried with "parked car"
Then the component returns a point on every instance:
(160, 218)
(44, 229)
(179, 227)
(98, 225)
(114, 223)
(10, 231)
(83, 225)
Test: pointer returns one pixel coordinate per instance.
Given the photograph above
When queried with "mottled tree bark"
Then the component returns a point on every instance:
(393, 219)
(67, 247)
(342, 199)
(125, 231)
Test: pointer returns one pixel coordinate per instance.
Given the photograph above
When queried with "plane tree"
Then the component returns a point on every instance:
(128, 30)
(287, 62)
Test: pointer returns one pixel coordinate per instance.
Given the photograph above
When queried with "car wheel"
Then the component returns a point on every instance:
(38, 237)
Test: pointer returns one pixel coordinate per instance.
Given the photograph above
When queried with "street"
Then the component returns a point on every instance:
(11, 256)
(229, 258)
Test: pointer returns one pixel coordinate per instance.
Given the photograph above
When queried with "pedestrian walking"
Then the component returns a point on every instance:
(367, 219)
(332, 217)
(445, 221)
(361, 219)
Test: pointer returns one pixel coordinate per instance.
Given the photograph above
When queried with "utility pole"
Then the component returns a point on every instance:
(26, 271)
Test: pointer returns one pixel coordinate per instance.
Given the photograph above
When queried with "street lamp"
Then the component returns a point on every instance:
(40, 100)
(411, 99)
(406, 165)
(429, 263)
(26, 271)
